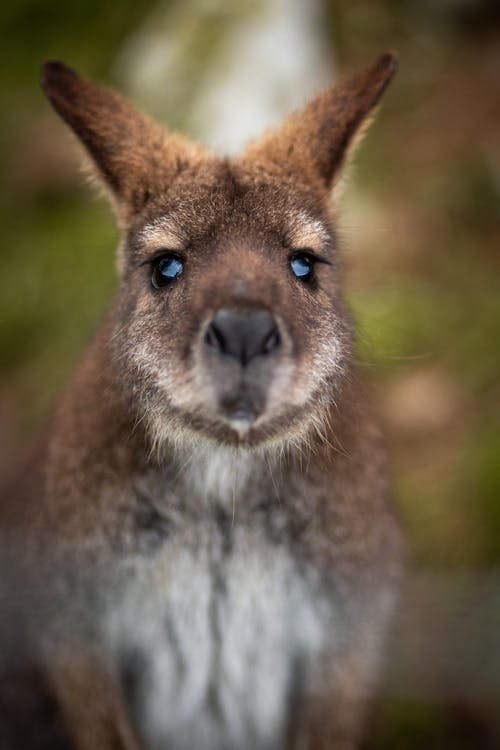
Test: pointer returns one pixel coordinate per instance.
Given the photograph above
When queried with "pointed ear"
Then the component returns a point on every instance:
(132, 154)
(315, 141)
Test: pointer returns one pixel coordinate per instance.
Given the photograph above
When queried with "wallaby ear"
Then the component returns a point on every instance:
(315, 141)
(133, 155)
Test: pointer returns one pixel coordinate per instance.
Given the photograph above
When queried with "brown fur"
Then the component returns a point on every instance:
(146, 414)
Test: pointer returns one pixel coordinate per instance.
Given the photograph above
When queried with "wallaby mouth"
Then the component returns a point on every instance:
(242, 409)
(241, 401)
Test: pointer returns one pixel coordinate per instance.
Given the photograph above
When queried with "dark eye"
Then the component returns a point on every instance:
(302, 266)
(166, 269)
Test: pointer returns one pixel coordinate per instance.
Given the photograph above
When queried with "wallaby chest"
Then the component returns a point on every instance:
(212, 629)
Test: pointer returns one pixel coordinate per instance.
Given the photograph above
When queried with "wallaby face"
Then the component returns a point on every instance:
(202, 586)
(231, 324)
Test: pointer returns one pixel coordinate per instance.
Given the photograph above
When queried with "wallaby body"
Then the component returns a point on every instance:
(216, 555)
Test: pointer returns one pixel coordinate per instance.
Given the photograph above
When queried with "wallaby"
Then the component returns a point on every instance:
(213, 555)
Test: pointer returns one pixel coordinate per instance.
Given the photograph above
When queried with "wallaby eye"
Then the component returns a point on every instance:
(302, 266)
(166, 269)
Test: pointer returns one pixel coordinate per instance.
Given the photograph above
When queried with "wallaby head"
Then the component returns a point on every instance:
(229, 322)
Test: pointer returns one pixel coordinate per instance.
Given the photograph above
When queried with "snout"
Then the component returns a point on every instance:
(242, 335)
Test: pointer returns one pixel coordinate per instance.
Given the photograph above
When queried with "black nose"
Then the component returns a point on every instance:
(243, 335)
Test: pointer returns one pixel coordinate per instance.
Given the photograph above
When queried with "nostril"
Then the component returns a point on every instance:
(214, 338)
(271, 342)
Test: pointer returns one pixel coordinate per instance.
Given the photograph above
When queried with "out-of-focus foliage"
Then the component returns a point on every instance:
(425, 260)
(421, 233)
(56, 258)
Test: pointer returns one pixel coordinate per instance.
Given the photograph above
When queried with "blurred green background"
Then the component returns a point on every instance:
(421, 229)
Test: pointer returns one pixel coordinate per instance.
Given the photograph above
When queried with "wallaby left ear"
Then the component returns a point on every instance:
(133, 156)
(316, 140)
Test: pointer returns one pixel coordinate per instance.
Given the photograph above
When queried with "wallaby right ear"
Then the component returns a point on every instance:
(132, 154)
(315, 142)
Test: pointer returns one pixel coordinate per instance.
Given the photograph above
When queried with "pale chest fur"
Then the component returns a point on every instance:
(212, 631)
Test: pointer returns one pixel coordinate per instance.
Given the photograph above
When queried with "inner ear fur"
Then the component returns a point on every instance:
(132, 154)
(314, 142)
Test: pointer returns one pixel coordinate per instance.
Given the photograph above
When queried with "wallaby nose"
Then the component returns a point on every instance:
(243, 335)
